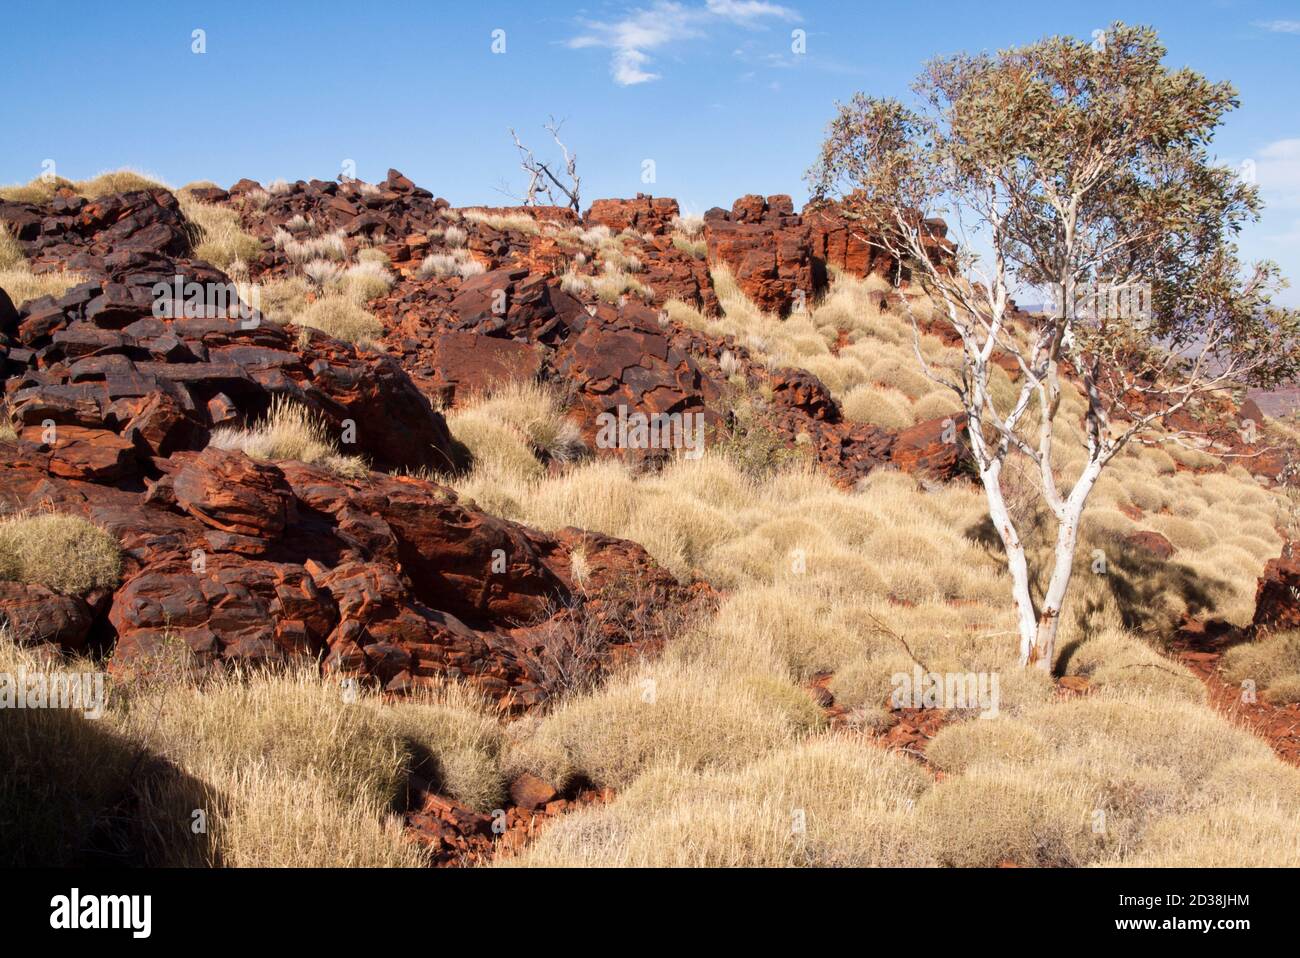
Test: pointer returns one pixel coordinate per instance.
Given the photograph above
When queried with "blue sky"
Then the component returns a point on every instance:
(710, 90)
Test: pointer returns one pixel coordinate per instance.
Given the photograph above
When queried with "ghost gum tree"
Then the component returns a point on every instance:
(1084, 168)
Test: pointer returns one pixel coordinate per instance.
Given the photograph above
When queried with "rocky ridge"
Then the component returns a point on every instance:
(382, 575)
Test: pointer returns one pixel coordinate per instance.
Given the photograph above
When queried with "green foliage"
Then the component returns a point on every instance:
(751, 442)
(1089, 164)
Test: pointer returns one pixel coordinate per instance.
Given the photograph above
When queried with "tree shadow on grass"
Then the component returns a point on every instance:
(75, 792)
(1150, 594)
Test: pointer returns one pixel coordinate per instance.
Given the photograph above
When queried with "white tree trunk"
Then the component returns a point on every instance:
(1014, 549)
(1041, 653)
(1038, 629)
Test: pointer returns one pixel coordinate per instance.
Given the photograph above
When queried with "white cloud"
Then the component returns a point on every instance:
(627, 68)
(753, 54)
(742, 10)
(1277, 171)
(666, 22)
(1288, 149)
(1279, 26)
(1277, 235)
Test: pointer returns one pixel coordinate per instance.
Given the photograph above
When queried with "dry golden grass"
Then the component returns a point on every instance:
(879, 406)
(1129, 761)
(223, 241)
(936, 405)
(828, 580)
(287, 770)
(367, 280)
(11, 254)
(371, 254)
(62, 552)
(833, 802)
(280, 300)
(124, 180)
(1116, 660)
(717, 752)
(323, 274)
(357, 745)
(1192, 458)
(39, 190)
(692, 246)
(20, 282)
(1107, 782)
(510, 431)
(330, 246)
(457, 743)
(520, 222)
(23, 285)
(670, 711)
(1247, 834)
(290, 431)
(244, 743)
(1284, 691)
(876, 374)
(1271, 663)
(63, 772)
(42, 188)
(689, 225)
(610, 286)
(987, 817)
(985, 741)
(338, 315)
(459, 262)
(252, 825)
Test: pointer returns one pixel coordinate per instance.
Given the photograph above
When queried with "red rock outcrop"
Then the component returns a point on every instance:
(769, 251)
(228, 609)
(848, 245)
(937, 449)
(391, 209)
(845, 239)
(394, 580)
(235, 559)
(800, 390)
(1277, 596)
(464, 364)
(74, 233)
(1152, 543)
(456, 835)
(122, 393)
(644, 214)
(622, 360)
(40, 616)
(232, 493)
(557, 215)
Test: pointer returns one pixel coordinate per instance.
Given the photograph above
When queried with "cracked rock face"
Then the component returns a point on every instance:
(393, 580)
(1277, 607)
(769, 250)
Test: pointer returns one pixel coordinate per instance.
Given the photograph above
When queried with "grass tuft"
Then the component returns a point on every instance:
(62, 552)
(290, 431)
(339, 316)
